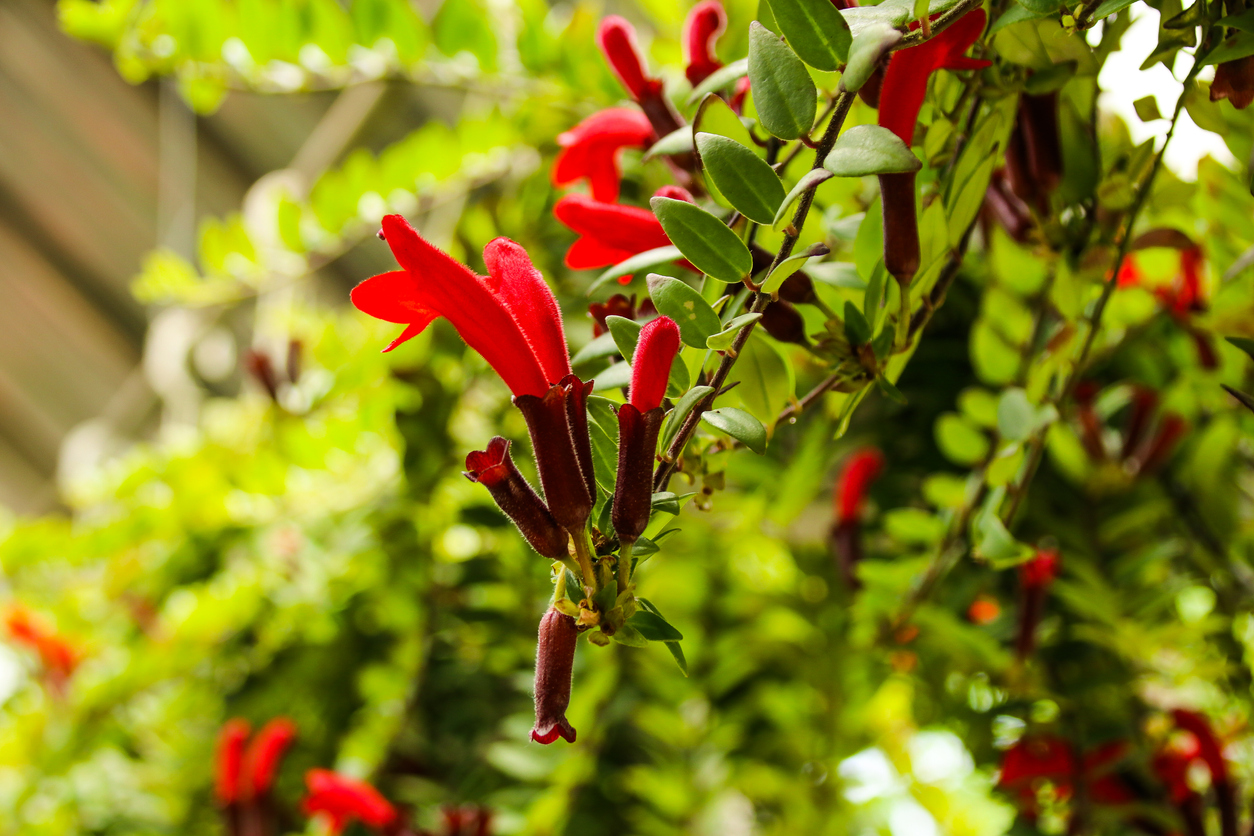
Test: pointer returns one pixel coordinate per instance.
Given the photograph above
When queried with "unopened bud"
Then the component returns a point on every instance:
(901, 227)
(633, 488)
(555, 659)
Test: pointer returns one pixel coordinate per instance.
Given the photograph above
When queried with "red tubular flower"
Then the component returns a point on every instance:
(611, 232)
(343, 800)
(704, 24)
(494, 469)
(555, 659)
(638, 423)
(651, 364)
(617, 40)
(558, 423)
(58, 657)
(230, 761)
(1053, 759)
(861, 469)
(1210, 752)
(261, 761)
(590, 150)
(509, 317)
(902, 94)
(1035, 576)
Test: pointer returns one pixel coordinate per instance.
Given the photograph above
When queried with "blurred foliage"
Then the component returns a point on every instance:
(314, 551)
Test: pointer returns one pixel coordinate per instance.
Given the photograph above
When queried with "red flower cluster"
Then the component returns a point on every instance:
(57, 655)
(1035, 760)
(342, 800)
(590, 150)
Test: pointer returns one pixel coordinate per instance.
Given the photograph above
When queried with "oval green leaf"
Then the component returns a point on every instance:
(740, 425)
(723, 339)
(865, 53)
(816, 31)
(750, 185)
(697, 321)
(626, 333)
(870, 149)
(653, 627)
(602, 346)
(703, 239)
(675, 418)
(783, 92)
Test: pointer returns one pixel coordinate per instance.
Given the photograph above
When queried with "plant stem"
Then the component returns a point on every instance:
(583, 550)
(624, 565)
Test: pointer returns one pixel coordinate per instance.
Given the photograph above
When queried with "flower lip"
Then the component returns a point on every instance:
(905, 80)
(590, 150)
(705, 23)
(651, 364)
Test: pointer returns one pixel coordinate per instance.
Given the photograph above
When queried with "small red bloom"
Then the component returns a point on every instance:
(860, 471)
(590, 150)
(1041, 570)
(704, 24)
(342, 800)
(1129, 274)
(610, 232)
(57, 655)
(983, 610)
(555, 659)
(1053, 759)
(230, 760)
(261, 761)
(617, 39)
(1209, 750)
(510, 317)
(651, 364)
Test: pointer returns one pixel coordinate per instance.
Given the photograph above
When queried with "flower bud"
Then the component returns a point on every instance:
(558, 423)
(860, 471)
(901, 227)
(261, 761)
(230, 759)
(651, 364)
(704, 24)
(555, 658)
(782, 322)
(494, 469)
(633, 489)
(617, 39)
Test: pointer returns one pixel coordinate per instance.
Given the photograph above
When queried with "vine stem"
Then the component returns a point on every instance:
(760, 300)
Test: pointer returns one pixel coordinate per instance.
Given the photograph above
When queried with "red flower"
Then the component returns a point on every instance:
(1209, 750)
(611, 232)
(555, 659)
(860, 471)
(1041, 570)
(617, 39)
(905, 80)
(704, 24)
(342, 800)
(494, 469)
(57, 655)
(1053, 759)
(651, 364)
(1129, 273)
(590, 150)
(230, 760)
(510, 317)
(261, 761)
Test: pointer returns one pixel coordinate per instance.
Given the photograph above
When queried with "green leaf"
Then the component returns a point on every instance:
(816, 30)
(679, 379)
(994, 543)
(1246, 400)
(668, 502)
(675, 418)
(631, 637)
(1016, 416)
(1244, 21)
(615, 376)
(740, 425)
(626, 332)
(1047, 81)
(790, 265)
(960, 441)
(723, 339)
(719, 79)
(678, 653)
(715, 116)
(810, 179)
(1015, 14)
(866, 52)
(697, 321)
(1243, 343)
(857, 329)
(891, 391)
(602, 346)
(750, 185)
(870, 149)
(678, 141)
(1240, 45)
(703, 239)
(638, 262)
(653, 627)
(1109, 7)
(783, 92)
(1147, 109)
(1041, 7)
